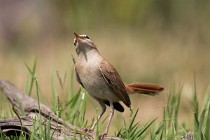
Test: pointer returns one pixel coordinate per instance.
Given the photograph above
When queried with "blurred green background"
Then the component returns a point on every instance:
(164, 42)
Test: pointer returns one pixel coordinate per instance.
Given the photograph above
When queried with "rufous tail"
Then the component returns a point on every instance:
(143, 88)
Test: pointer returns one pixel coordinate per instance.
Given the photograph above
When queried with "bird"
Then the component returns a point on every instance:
(102, 81)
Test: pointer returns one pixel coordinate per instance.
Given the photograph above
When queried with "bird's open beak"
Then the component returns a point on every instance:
(78, 38)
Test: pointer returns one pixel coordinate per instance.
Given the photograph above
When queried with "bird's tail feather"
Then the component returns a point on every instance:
(143, 88)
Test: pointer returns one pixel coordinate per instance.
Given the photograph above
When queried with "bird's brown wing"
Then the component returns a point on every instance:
(114, 81)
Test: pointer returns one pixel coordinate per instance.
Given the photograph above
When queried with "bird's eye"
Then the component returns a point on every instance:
(87, 37)
(75, 42)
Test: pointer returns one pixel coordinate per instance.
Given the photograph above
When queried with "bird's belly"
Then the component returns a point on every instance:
(96, 86)
(102, 91)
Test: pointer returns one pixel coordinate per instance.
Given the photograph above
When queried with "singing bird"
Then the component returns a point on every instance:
(102, 81)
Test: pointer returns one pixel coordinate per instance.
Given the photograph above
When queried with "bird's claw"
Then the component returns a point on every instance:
(89, 130)
(102, 135)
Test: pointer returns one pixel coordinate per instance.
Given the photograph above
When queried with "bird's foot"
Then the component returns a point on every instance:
(102, 135)
(89, 130)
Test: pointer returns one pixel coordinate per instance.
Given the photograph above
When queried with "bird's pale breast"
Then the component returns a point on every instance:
(93, 81)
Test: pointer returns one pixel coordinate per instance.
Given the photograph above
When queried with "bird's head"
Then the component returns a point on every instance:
(83, 43)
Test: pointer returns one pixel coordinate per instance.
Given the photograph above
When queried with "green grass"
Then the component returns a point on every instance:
(74, 110)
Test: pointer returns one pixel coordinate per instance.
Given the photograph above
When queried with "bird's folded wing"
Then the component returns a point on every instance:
(113, 79)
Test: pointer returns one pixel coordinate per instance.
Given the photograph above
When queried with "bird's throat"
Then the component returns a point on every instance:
(89, 55)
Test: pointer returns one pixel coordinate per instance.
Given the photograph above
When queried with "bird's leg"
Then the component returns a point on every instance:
(103, 109)
(109, 120)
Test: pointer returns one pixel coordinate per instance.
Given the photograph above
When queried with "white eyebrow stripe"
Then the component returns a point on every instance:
(83, 37)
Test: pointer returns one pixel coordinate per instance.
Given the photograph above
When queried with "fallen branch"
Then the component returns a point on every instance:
(29, 117)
